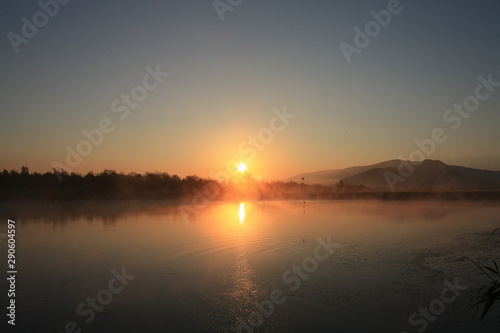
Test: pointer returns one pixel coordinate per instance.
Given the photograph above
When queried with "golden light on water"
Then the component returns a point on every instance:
(242, 213)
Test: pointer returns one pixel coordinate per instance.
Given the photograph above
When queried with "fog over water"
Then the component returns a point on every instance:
(343, 266)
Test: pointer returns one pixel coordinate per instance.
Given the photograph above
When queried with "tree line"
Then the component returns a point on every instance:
(111, 185)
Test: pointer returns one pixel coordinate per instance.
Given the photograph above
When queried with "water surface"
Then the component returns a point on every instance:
(207, 273)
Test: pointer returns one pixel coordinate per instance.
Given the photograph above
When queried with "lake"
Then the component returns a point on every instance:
(277, 266)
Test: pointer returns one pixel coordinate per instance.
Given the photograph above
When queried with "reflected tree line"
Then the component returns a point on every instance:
(105, 212)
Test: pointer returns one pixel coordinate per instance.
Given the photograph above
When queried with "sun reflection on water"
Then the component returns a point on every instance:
(242, 213)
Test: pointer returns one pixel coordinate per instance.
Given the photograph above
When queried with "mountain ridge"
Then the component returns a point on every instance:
(405, 175)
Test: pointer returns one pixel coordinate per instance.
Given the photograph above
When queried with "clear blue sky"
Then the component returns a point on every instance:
(226, 77)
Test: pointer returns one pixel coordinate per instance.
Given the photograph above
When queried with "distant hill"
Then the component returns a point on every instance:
(333, 176)
(428, 175)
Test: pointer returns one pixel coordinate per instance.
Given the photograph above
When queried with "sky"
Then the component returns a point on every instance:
(285, 86)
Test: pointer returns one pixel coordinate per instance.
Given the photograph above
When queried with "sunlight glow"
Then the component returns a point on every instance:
(242, 167)
(242, 213)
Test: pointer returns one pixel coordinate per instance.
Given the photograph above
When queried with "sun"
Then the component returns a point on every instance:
(242, 167)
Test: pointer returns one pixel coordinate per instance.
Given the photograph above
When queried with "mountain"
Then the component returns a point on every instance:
(327, 177)
(403, 175)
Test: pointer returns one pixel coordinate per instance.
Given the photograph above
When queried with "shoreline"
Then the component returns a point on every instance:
(464, 195)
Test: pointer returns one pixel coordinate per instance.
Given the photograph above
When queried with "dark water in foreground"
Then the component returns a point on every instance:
(111, 267)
